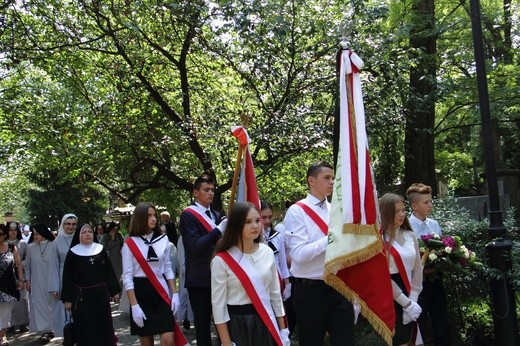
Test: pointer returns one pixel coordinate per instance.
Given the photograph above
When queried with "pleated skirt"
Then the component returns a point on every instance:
(159, 316)
(247, 328)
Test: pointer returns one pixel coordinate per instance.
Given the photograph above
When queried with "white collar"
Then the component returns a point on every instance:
(417, 220)
(202, 207)
(87, 250)
(315, 201)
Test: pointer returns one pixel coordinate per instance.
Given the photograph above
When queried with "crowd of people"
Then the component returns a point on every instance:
(257, 282)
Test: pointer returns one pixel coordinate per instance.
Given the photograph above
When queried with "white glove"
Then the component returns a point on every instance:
(414, 310)
(406, 318)
(222, 226)
(284, 335)
(175, 303)
(286, 292)
(138, 315)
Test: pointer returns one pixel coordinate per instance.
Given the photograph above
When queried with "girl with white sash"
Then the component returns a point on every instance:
(404, 261)
(245, 290)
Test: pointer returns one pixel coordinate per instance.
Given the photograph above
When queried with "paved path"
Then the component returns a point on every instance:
(121, 326)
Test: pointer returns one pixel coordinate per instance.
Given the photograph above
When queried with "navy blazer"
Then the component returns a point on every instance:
(199, 247)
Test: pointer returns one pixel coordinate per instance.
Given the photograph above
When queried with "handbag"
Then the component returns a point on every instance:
(69, 337)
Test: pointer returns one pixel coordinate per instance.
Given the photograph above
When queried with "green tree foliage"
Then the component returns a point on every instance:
(457, 128)
(51, 198)
(139, 97)
(142, 95)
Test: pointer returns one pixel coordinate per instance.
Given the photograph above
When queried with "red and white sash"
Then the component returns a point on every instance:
(252, 283)
(178, 336)
(204, 219)
(322, 225)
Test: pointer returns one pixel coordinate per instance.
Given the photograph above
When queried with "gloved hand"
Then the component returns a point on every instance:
(406, 318)
(413, 310)
(284, 335)
(175, 303)
(222, 226)
(286, 292)
(138, 315)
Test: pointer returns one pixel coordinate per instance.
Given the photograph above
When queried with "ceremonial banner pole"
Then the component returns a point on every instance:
(245, 188)
(355, 260)
(238, 164)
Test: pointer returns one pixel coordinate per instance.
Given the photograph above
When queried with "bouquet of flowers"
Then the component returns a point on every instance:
(445, 254)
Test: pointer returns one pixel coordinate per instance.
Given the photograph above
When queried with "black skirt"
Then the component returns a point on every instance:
(247, 328)
(403, 332)
(159, 316)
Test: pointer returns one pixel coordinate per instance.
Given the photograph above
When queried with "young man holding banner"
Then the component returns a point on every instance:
(319, 307)
(201, 228)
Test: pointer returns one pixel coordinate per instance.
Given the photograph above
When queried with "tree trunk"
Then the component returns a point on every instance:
(420, 106)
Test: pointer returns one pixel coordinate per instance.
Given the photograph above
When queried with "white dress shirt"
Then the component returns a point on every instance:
(307, 243)
(428, 226)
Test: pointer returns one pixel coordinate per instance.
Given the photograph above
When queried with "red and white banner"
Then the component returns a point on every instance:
(247, 189)
(355, 260)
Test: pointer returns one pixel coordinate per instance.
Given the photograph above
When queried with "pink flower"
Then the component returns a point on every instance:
(449, 241)
(426, 237)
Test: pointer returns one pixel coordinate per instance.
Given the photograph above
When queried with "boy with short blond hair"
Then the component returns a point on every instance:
(420, 198)
(433, 296)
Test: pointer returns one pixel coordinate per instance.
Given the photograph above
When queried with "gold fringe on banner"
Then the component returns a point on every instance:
(350, 228)
(353, 258)
(378, 325)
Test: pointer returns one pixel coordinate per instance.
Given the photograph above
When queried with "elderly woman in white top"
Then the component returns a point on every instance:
(405, 266)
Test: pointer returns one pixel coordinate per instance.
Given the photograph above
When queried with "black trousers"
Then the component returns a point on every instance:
(200, 300)
(433, 303)
(319, 309)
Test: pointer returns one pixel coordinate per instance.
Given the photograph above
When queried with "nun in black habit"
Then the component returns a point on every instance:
(89, 282)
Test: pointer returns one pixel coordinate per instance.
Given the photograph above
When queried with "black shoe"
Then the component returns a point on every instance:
(186, 324)
(45, 338)
(11, 329)
(23, 328)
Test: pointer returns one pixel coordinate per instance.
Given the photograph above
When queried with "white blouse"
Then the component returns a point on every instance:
(411, 257)
(161, 268)
(227, 289)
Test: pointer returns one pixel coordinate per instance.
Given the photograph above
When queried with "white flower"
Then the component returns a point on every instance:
(466, 253)
(432, 257)
(448, 249)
